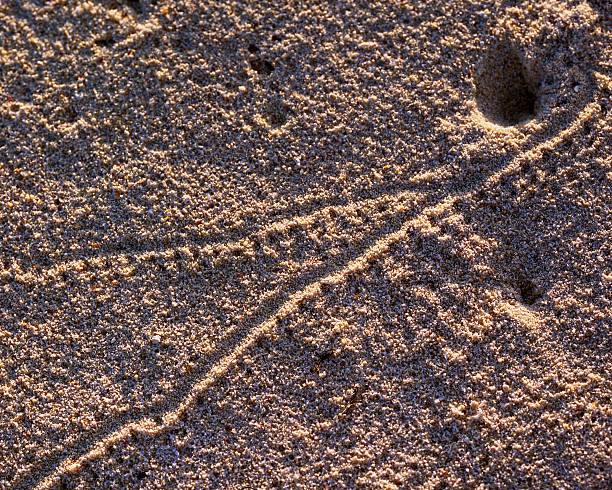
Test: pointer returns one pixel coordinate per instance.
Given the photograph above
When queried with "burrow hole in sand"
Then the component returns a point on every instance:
(505, 93)
(529, 292)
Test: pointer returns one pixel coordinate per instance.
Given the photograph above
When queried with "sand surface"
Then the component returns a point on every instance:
(342, 244)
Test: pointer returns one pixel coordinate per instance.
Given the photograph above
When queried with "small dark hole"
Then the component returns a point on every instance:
(261, 66)
(104, 42)
(140, 474)
(324, 356)
(529, 291)
(252, 48)
(504, 92)
(268, 67)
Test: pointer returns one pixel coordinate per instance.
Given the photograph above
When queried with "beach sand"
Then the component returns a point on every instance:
(353, 244)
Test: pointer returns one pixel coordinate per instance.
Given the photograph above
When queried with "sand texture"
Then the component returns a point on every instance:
(305, 244)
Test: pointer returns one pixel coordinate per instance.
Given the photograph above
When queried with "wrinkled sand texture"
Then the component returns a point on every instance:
(298, 244)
